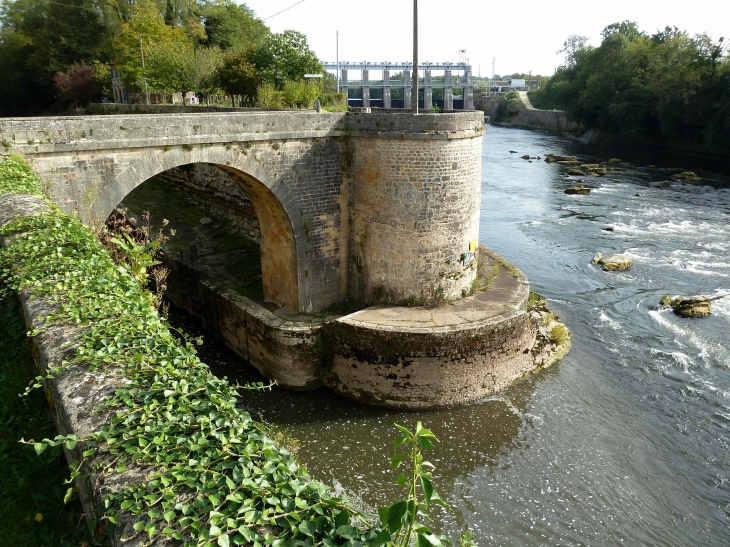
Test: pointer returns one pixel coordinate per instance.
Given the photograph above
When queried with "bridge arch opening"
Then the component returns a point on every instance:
(226, 218)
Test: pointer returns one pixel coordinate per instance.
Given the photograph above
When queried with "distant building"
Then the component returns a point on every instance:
(502, 86)
(118, 89)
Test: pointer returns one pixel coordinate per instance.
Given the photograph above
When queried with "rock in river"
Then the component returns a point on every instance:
(576, 172)
(597, 258)
(616, 263)
(692, 307)
(580, 190)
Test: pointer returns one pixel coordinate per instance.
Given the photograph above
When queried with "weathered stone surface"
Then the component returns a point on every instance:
(616, 263)
(414, 209)
(420, 358)
(597, 258)
(15, 206)
(576, 172)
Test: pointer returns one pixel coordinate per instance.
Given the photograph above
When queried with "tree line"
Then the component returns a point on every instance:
(667, 86)
(56, 53)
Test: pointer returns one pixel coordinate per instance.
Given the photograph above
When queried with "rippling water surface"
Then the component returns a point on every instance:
(625, 442)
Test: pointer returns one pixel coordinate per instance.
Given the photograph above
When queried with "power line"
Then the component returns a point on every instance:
(282, 11)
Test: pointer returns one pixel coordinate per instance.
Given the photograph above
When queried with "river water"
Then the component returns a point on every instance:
(624, 442)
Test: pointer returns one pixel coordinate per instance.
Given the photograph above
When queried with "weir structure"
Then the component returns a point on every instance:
(367, 208)
(452, 89)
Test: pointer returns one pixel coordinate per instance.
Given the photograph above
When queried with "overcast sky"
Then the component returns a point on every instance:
(523, 35)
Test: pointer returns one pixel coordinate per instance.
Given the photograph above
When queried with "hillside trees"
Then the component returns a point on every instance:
(666, 85)
(39, 39)
(146, 28)
(53, 54)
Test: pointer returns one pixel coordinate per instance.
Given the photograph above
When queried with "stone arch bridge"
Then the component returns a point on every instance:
(349, 205)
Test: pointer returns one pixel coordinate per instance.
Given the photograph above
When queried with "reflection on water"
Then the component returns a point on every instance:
(625, 442)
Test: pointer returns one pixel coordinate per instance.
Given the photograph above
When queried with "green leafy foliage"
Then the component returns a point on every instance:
(286, 57)
(17, 177)
(214, 475)
(403, 522)
(39, 39)
(669, 85)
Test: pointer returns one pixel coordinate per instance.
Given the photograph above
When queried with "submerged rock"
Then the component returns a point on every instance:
(569, 162)
(576, 172)
(590, 166)
(616, 263)
(689, 176)
(579, 190)
(551, 158)
(608, 228)
(526, 157)
(614, 160)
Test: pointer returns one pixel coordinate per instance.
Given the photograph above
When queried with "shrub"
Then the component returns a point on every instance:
(334, 102)
(559, 334)
(300, 94)
(268, 96)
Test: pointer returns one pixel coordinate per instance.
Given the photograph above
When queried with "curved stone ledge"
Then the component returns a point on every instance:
(399, 358)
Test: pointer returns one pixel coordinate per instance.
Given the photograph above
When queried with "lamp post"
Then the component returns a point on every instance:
(415, 58)
(144, 78)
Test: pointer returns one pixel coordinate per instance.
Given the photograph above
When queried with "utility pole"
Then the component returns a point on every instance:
(414, 98)
(337, 56)
(144, 78)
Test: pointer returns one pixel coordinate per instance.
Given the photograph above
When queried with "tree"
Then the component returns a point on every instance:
(232, 26)
(168, 67)
(237, 75)
(80, 85)
(286, 57)
(147, 24)
(39, 39)
(204, 71)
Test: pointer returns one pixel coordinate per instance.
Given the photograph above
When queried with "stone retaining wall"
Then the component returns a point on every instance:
(289, 352)
(419, 369)
(556, 121)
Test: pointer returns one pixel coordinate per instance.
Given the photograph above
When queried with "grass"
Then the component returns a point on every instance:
(559, 334)
(32, 512)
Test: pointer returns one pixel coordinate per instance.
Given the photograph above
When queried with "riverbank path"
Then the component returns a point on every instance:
(526, 100)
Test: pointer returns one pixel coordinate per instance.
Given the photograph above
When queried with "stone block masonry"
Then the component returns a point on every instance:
(414, 209)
